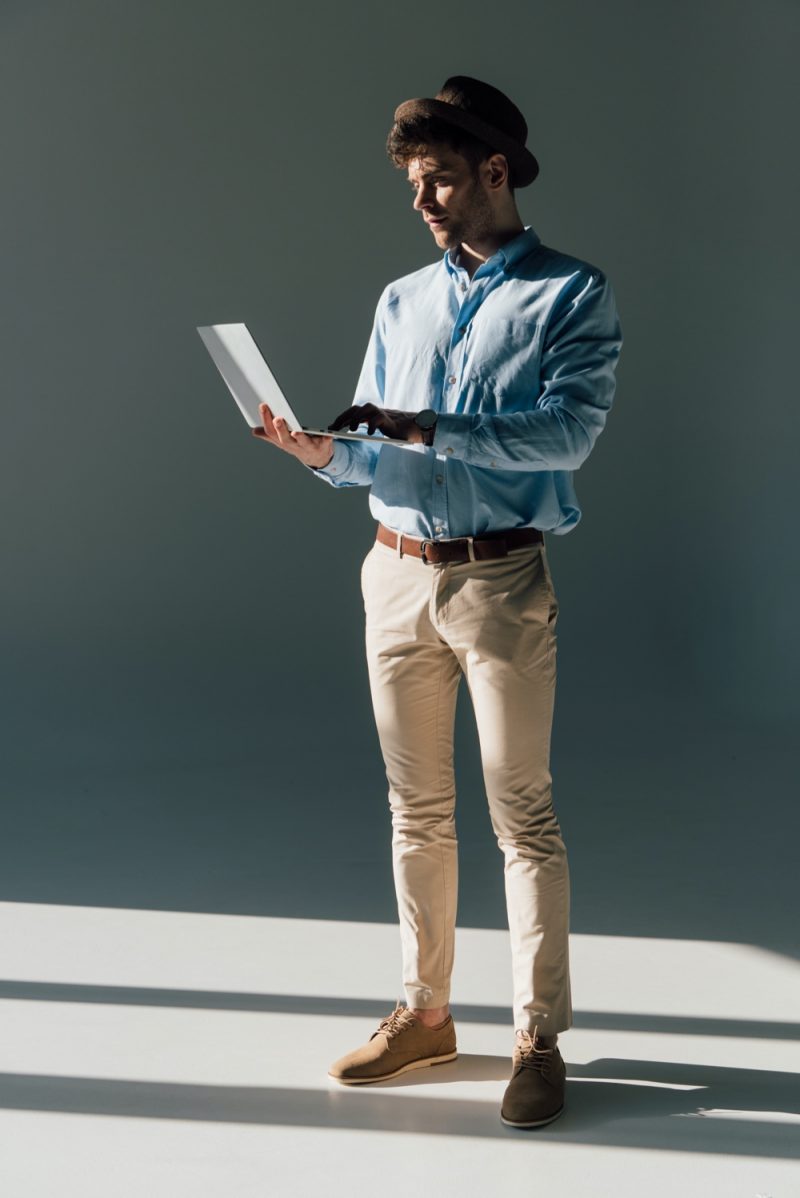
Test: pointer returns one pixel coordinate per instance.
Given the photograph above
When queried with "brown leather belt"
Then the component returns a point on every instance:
(461, 549)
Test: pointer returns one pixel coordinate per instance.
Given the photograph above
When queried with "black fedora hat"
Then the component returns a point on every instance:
(487, 113)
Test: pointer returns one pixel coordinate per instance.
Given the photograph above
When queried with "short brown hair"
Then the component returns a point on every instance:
(410, 139)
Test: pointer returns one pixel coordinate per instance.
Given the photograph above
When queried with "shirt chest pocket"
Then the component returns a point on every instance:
(505, 355)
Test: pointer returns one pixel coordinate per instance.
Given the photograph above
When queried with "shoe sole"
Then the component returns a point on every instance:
(535, 1122)
(421, 1064)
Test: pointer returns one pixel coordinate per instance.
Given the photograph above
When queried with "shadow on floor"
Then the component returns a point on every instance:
(605, 1107)
(371, 1008)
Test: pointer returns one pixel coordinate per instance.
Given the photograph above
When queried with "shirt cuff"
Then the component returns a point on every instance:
(338, 462)
(452, 435)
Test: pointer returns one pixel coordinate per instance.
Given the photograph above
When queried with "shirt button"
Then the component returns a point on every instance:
(463, 286)
(493, 463)
(452, 378)
(440, 478)
(448, 450)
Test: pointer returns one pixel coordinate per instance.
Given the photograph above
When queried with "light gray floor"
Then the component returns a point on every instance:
(174, 1053)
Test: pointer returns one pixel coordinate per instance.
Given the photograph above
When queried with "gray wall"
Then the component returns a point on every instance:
(186, 717)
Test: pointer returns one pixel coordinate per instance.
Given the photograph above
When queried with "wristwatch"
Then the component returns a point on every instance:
(426, 420)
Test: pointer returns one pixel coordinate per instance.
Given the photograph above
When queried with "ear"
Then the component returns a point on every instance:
(497, 170)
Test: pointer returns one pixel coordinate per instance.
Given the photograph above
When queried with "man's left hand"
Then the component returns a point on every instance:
(399, 426)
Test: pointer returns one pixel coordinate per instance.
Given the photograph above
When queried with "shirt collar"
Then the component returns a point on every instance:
(507, 256)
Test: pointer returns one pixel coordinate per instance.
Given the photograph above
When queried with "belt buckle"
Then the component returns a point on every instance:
(425, 541)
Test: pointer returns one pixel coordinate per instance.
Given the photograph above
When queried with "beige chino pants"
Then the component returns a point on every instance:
(494, 622)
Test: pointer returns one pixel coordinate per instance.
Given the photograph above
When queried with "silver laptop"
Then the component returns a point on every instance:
(251, 382)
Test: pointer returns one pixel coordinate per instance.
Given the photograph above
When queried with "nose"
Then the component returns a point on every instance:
(422, 198)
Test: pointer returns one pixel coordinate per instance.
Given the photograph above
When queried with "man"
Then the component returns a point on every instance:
(497, 364)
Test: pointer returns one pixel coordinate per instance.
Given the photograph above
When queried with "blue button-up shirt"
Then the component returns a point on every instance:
(519, 363)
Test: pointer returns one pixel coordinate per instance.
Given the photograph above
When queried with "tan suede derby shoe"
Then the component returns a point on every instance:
(535, 1094)
(400, 1043)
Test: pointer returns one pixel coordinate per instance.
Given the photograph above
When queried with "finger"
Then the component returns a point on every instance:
(360, 415)
(266, 432)
(340, 421)
(356, 412)
(283, 434)
(371, 416)
(267, 419)
(263, 435)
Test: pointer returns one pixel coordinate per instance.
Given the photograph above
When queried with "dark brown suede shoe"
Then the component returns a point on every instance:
(400, 1043)
(535, 1094)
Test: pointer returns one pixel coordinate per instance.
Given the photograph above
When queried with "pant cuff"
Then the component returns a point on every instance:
(425, 999)
(547, 1025)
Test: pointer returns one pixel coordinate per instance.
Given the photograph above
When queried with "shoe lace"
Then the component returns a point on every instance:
(393, 1024)
(531, 1052)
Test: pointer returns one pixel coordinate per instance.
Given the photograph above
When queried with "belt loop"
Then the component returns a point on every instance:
(470, 548)
(399, 545)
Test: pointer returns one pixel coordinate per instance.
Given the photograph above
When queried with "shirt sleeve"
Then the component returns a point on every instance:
(352, 465)
(353, 462)
(579, 357)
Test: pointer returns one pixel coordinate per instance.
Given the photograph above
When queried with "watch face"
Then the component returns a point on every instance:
(426, 418)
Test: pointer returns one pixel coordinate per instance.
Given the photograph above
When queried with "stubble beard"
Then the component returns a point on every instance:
(475, 227)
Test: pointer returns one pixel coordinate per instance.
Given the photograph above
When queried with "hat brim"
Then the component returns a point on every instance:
(523, 164)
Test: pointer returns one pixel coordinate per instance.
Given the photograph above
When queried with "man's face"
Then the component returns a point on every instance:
(454, 204)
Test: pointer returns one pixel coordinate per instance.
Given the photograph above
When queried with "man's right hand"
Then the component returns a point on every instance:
(312, 451)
